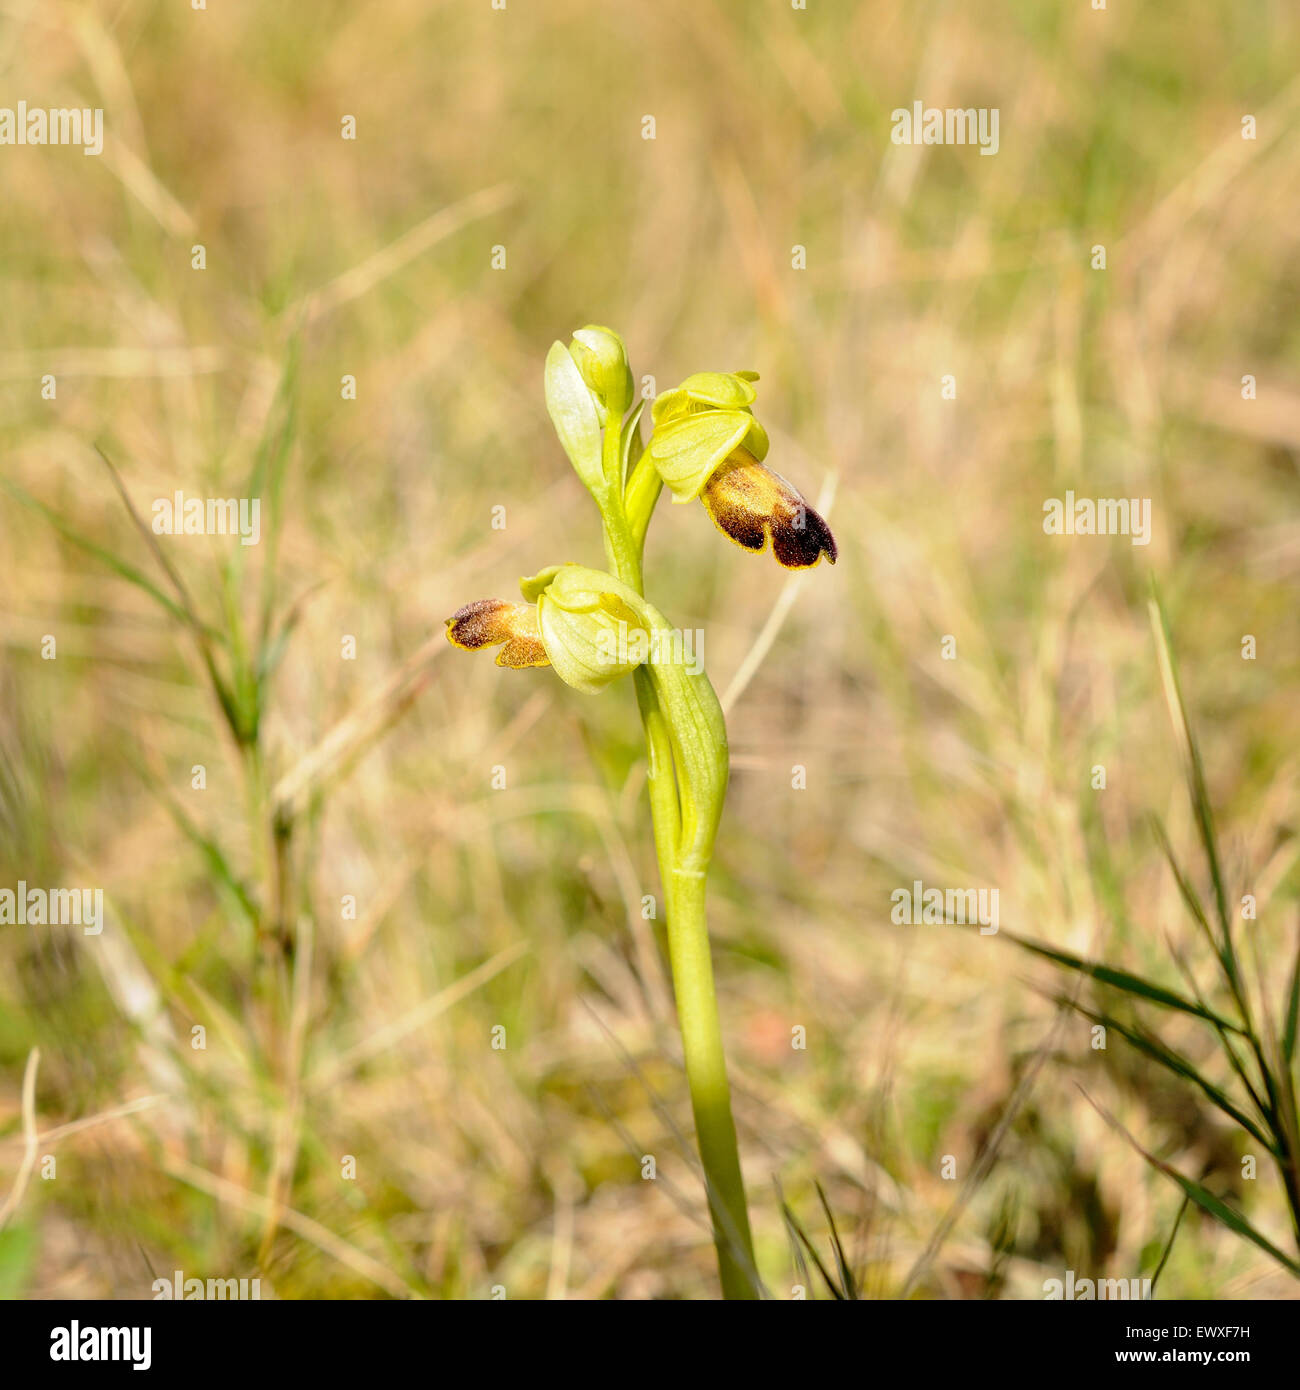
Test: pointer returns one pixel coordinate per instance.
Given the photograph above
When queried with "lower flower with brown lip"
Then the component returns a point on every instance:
(749, 503)
(577, 621)
(491, 622)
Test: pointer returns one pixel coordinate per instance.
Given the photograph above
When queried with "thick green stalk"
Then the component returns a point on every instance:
(686, 745)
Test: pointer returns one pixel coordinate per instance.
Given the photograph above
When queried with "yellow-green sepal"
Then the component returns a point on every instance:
(713, 390)
(576, 415)
(687, 449)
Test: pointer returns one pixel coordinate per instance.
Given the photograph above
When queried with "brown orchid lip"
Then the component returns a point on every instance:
(490, 622)
(751, 504)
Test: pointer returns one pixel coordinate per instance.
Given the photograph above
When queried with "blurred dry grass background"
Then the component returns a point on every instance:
(520, 908)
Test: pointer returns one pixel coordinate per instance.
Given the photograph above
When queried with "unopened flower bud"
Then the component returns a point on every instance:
(601, 358)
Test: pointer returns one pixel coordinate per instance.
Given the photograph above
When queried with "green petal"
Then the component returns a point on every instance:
(756, 441)
(687, 450)
(674, 402)
(726, 390)
(533, 586)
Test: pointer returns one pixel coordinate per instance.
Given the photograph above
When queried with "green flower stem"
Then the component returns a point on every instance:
(706, 1075)
(621, 549)
(686, 745)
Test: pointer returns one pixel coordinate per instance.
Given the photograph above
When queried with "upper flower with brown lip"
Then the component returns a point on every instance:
(707, 444)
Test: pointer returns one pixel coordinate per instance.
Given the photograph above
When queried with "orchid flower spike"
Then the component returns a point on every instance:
(594, 627)
(706, 443)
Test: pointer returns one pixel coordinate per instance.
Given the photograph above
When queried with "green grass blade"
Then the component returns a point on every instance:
(1169, 1244)
(1202, 1196)
(219, 867)
(1185, 888)
(1292, 1006)
(1193, 768)
(203, 635)
(269, 472)
(793, 1225)
(846, 1274)
(1151, 1046)
(119, 566)
(1229, 1050)
(1124, 980)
